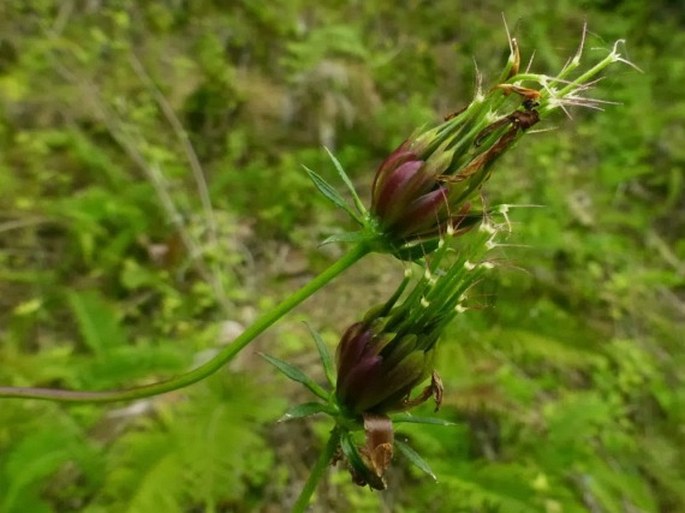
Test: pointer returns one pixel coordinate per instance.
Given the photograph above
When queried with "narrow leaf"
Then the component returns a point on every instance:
(329, 192)
(357, 236)
(338, 166)
(296, 375)
(325, 355)
(414, 457)
(305, 410)
(411, 419)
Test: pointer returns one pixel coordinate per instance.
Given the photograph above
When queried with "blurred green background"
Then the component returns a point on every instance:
(120, 120)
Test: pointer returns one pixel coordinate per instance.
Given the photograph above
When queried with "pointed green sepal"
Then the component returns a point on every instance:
(324, 354)
(343, 175)
(414, 457)
(297, 375)
(408, 418)
(305, 410)
(331, 194)
(358, 236)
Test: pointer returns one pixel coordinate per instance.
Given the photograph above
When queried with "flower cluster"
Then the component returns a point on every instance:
(424, 194)
(382, 359)
(433, 181)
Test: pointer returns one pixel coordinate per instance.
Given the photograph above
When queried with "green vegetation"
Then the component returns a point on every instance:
(154, 202)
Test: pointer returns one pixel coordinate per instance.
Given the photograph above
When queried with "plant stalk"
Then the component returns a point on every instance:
(208, 368)
(317, 473)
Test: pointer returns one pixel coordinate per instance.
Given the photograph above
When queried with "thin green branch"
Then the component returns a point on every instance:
(317, 473)
(206, 369)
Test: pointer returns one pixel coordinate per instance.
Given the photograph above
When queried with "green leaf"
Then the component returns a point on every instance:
(357, 202)
(97, 321)
(325, 355)
(329, 191)
(305, 410)
(414, 457)
(297, 375)
(411, 419)
(38, 455)
(358, 236)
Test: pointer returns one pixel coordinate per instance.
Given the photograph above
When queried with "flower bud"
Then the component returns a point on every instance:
(426, 186)
(384, 356)
(378, 370)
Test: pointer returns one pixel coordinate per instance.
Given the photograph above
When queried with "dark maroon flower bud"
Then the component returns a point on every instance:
(425, 188)
(378, 370)
(382, 358)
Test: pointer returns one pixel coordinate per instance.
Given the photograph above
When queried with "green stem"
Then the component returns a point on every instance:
(317, 473)
(224, 356)
(568, 87)
(585, 77)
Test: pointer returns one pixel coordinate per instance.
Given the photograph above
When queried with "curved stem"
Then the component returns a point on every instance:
(224, 356)
(317, 473)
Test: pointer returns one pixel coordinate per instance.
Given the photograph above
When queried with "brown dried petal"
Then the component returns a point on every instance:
(379, 442)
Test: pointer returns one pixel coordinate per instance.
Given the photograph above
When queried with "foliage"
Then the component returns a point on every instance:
(564, 382)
